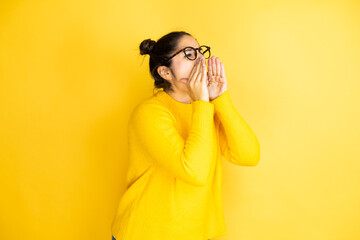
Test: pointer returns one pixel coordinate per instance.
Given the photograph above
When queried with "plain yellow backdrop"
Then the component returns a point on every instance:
(71, 73)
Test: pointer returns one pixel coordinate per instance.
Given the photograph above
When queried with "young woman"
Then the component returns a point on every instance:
(176, 140)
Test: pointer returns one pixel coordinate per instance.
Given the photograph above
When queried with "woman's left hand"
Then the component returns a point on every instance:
(216, 83)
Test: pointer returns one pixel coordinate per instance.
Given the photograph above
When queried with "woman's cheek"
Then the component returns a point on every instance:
(185, 71)
(186, 76)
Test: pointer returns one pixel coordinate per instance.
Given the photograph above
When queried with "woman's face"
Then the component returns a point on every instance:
(182, 66)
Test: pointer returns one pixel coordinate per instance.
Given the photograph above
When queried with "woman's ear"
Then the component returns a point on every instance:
(164, 72)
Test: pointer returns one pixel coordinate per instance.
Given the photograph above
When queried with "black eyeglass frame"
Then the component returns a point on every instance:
(196, 50)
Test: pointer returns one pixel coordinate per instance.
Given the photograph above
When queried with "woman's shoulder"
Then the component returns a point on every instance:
(151, 107)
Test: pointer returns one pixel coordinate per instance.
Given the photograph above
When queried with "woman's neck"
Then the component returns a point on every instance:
(180, 97)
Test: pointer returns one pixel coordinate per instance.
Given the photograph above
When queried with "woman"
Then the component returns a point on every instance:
(176, 139)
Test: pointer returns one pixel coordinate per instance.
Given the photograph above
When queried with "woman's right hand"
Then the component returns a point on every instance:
(197, 84)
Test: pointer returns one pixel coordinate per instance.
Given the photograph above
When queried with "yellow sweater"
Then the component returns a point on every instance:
(174, 174)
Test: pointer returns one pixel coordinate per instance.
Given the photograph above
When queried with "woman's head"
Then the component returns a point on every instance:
(172, 74)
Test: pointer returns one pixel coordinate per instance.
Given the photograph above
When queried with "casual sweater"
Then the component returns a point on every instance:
(174, 175)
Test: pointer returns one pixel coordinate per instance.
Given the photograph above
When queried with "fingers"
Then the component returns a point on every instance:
(214, 66)
(194, 72)
(201, 70)
(203, 76)
(210, 68)
(218, 70)
(222, 70)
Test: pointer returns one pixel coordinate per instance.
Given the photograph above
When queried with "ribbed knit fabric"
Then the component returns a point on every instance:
(174, 175)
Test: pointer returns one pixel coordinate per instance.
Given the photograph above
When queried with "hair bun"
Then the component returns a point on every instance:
(147, 46)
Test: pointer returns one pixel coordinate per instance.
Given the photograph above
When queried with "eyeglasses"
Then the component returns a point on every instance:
(191, 53)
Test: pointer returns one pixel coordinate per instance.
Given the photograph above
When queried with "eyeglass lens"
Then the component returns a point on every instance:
(191, 54)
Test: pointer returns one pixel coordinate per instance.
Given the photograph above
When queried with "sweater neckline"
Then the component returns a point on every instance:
(161, 93)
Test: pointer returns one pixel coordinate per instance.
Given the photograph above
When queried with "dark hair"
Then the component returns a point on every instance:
(159, 52)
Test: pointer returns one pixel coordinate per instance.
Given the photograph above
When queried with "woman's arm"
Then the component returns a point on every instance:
(238, 143)
(187, 159)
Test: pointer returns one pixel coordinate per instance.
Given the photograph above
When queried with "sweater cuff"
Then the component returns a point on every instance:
(223, 102)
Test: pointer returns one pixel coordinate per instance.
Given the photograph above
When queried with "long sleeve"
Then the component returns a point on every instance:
(187, 159)
(238, 143)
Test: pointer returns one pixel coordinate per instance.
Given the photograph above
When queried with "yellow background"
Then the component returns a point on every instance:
(71, 73)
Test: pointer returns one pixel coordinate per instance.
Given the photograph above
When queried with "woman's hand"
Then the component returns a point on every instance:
(197, 84)
(216, 83)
